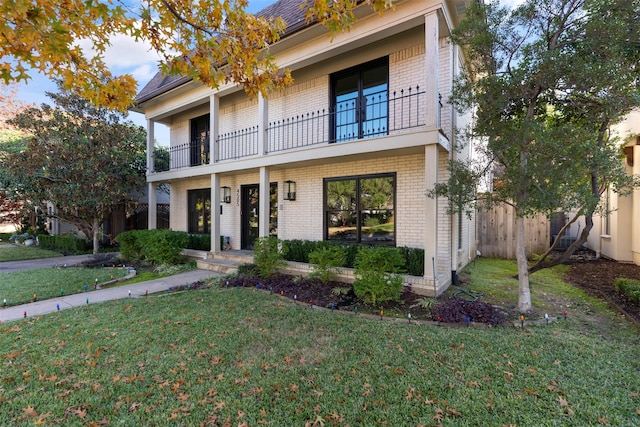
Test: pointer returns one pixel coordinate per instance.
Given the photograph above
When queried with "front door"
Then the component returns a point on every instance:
(250, 211)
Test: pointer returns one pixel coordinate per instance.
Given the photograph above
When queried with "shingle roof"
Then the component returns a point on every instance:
(290, 10)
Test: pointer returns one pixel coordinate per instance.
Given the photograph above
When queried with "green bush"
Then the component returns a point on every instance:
(200, 242)
(351, 251)
(64, 245)
(130, 245)
(413, 260)
(164, 246)
(324, 259)
(375, 279)
(153, 246)
(268, 256)
(299, 250)
(629, 287)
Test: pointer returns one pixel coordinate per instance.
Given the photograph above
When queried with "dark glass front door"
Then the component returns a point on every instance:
(250, 211)
(250, 214)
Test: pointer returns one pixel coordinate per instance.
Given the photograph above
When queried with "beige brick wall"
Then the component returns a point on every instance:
(445, 82)
(237, 114)
(303, 218)
(444, 223)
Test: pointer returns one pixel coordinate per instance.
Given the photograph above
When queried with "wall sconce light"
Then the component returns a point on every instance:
(225, 194)
(289, 190)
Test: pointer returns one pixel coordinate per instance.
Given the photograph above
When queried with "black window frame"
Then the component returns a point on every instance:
(192, 197)
(358, 178)
(199, 147)
(358, 70)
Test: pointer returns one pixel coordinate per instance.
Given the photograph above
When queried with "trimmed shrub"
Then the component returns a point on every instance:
(163, 246)
(64, 245)
(375, 279)
(153, 246)
(130, 245)
(324, 259)
(299, 250)
(629, 287)
(200, 242)
(413, 260)
(268, 256)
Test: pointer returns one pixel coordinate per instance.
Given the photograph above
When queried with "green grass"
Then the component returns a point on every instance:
(18, 287)
(230, 356)
(495, 279)
(9, 252)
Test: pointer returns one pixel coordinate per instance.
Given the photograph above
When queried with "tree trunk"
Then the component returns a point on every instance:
(95, 236)
(588, 220)
(524, 292)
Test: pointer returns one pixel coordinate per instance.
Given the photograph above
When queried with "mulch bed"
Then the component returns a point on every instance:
(597, 276)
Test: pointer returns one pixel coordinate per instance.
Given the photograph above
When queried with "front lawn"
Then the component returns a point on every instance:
(241, 357)
(18, 287)
(11, 252)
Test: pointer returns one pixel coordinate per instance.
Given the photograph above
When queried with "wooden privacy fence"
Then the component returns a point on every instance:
(497, 233)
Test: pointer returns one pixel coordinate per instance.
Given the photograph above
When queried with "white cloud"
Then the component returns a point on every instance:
(125, 55)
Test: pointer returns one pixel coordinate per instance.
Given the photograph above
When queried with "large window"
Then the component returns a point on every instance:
(199, 211)
(360, 209)
(359, 100)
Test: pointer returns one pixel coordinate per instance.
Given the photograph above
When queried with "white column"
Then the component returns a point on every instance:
(150, 146)
(216, 208)
(214, 128)
(635, 223)
(264, 202)
(431, 68)
(263, 122)
(431, 216)
(152, 211)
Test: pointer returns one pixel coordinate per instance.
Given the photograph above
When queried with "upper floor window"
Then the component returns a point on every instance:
(359, 101)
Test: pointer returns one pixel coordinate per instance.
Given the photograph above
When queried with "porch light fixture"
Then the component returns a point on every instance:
(289, 190)
(225, 195)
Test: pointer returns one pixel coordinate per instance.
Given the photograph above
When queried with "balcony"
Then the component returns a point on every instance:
(377, 114)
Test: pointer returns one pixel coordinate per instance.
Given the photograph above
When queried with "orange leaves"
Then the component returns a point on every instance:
(30, 412)
(508, 376)
(12, 354)
(564, 404)
(78, 411)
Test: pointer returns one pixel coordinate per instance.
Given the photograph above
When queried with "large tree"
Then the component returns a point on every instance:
(212, 41)
(529, 76)
(11, 141)
(84, 160)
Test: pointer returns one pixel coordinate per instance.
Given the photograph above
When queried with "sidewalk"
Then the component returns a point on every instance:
(96, 296)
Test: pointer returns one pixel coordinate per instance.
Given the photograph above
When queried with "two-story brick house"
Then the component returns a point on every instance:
(345, 154)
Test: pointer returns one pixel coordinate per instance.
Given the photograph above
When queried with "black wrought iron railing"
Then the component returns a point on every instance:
(237, 144)
(373, 115)
(370, 116)
(194, 153)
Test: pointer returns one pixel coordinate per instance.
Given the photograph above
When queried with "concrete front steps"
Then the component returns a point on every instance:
(226, 262)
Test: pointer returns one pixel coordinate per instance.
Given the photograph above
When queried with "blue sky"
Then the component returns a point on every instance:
(124, 56)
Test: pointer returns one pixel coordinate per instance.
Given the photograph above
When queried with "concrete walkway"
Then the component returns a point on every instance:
(93, 296)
